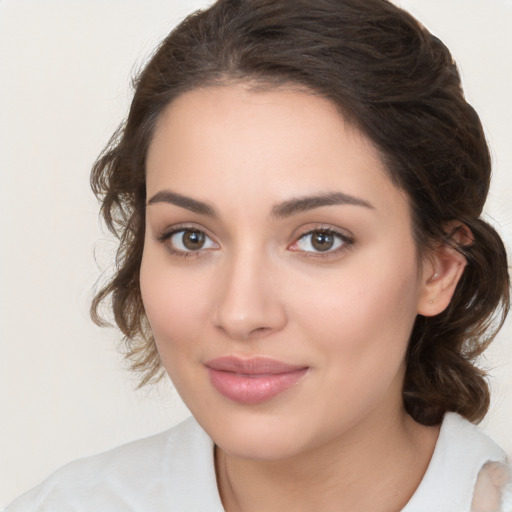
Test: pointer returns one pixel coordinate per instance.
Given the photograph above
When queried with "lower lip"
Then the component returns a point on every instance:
(253, 389)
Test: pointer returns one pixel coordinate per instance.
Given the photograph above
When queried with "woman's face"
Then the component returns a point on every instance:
(279, 274)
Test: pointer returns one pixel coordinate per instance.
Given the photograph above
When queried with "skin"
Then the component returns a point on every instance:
(339, 439)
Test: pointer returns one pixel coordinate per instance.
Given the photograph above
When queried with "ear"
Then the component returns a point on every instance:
(442, 269)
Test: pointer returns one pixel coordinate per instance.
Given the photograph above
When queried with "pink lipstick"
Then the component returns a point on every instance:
(254, 380)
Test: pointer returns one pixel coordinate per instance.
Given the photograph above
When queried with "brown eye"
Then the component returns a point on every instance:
(193, 240)
(322, 241)
(190, 240)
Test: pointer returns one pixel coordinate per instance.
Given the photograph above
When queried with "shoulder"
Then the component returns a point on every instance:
(493, 489)
(462, 450)
(465, 446)
(146, 474)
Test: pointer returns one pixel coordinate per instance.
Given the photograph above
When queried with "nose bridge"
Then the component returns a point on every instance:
(248, 301)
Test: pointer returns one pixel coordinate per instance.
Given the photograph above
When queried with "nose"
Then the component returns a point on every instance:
(249, 303)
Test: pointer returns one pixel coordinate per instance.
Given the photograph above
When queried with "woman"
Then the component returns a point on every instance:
(297, 193)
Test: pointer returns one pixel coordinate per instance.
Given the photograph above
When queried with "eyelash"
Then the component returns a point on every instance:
(346, 242)
(167, 235)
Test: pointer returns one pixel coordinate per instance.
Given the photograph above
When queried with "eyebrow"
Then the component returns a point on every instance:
(166, 196)
(279, 211)
(302, 204)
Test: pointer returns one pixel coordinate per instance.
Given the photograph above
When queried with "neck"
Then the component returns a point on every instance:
(367, 468)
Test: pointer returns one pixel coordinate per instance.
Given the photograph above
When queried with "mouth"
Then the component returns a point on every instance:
(254, 380)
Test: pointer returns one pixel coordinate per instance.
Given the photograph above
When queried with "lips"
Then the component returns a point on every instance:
(254, 380)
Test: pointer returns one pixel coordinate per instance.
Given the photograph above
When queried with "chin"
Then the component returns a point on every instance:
(256, 435)
(262, 448)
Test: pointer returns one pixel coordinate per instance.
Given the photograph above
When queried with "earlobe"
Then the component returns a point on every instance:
(442, 269)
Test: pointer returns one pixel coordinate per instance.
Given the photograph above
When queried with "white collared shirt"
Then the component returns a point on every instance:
(175, 472)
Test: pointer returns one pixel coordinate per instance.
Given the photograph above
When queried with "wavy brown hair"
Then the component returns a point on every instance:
(395, 82)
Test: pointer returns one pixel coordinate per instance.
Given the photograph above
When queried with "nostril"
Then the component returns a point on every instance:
(242, 334)
(260, 332)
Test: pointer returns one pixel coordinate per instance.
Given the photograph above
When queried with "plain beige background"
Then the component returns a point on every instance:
(65, 71)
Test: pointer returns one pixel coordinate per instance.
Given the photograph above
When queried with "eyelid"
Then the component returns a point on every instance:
(166, 234)
(346, 238)
(169, 230)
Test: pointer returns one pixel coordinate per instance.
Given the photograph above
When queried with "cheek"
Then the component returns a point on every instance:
(174, 305)
(364, 314)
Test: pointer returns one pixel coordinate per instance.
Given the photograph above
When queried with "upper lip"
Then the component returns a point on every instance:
(252, 366)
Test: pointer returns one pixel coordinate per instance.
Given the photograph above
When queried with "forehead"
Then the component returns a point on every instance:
(226, 142)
